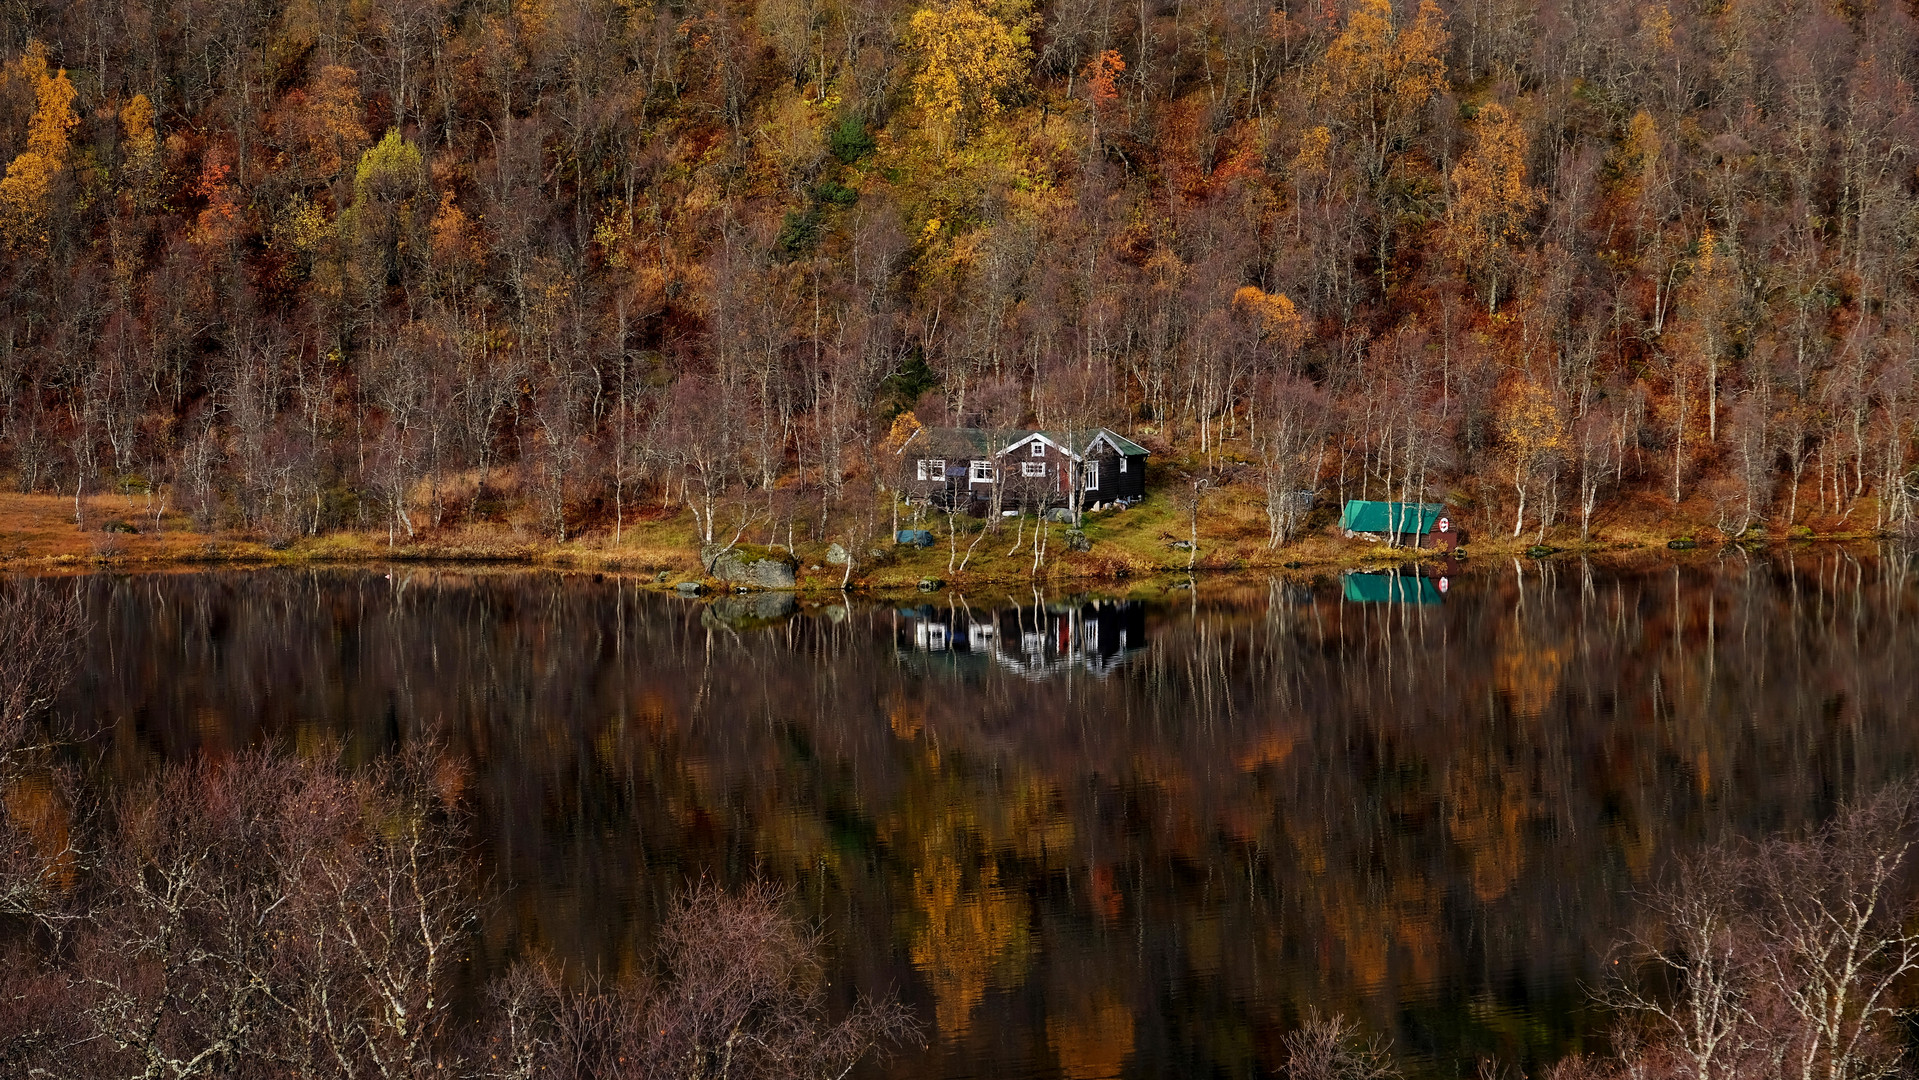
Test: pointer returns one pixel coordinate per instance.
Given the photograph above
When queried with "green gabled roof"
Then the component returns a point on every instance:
(1392, 589)
(951, 441)
(1390, 517)
(1126, 446)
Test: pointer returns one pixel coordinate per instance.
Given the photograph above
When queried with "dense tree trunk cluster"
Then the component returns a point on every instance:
(404, 265)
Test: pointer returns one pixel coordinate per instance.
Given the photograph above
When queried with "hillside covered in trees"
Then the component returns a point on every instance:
(408, 265)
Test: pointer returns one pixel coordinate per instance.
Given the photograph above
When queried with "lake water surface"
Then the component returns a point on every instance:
(1082, 836)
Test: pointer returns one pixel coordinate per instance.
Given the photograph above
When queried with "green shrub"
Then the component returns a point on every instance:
(849, 140)
(799, 232)
(834, 193)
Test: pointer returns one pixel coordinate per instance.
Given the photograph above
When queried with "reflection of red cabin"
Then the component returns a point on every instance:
(963, 467)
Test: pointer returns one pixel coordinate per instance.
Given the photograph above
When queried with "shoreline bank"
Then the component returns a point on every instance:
(39, 535)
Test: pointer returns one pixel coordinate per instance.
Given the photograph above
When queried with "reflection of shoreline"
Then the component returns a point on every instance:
(1037, 642)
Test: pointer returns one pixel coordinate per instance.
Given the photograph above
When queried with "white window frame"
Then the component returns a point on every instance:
(937, 466)
(982, 471)
(922, 468)
(1092, 475)
(1039, 448)
(1122, 463)
(1032, 468)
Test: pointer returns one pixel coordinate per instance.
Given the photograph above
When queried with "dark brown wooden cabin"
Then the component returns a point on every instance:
(1115, 469)
(961, 468)
(1038, 469)
(948, 466)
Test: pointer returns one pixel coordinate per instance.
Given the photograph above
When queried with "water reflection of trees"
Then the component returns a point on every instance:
(1428, 816)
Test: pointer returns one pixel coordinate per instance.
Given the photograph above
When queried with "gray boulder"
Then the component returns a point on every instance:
(750, 567)
(751, 611)
(835, 555)
(690, 588)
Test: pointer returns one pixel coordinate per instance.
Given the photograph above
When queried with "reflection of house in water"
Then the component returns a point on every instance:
(1395, 587)
(1035, 641)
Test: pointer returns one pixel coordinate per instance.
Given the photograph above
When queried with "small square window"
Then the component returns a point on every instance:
(1039, 448)
(1032, 468)
(937, 466)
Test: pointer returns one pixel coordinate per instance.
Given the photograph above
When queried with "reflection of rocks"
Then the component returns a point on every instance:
(755, 568)
(749, 611)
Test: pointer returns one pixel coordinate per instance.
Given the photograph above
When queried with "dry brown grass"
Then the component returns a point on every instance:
(42, 529)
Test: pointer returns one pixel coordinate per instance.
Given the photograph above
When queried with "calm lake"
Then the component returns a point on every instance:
(1082, 836)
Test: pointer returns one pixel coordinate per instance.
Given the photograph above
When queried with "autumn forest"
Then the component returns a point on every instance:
(394, 266)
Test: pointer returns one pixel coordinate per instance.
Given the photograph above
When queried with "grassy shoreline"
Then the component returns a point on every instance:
(39, 534)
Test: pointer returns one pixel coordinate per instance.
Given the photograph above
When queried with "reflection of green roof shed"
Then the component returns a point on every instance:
(1398, 519)
(1392, 589)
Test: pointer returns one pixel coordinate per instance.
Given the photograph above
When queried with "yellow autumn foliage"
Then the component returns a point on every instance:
(1530, 424)
(1638, 155)
(29, 179)
(1655, 26)
(1279, 319)
(1491, 198)
(336, 115)
(1378, 76)
(1711, 293)
(1373, 55)
(1314, 143)
(970, 55)
(140, 141)
(904, 427)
